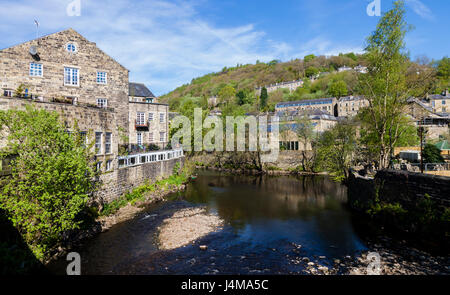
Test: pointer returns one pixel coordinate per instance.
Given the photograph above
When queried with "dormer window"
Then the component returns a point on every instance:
(71, 47)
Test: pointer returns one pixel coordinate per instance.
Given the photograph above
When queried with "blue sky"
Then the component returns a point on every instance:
(166, 43)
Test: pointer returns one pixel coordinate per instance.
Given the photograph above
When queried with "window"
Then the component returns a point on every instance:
(102, 102)
(443, 102)
(162, 136)
(140, 120)
(150, 116)
(71, 47)
(99, 166)
(150, 137)
(35, 69)
(8, 93)
(108, 139)
(139, 138)
(71, 76)
(109, 165)
(162, 117)
(101, 78)
(98, 143)
(83, 135)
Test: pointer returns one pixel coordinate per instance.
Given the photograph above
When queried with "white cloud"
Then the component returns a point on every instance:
(164, 44)
(420, 9)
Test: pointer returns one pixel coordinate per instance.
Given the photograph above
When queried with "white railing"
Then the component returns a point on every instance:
(139, 159)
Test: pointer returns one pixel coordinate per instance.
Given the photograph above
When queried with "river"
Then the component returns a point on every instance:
(271, 223)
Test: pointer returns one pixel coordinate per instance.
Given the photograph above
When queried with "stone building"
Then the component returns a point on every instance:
(66, 73)
(138, 92)
(291, 85)
(149, 121)
(440, 103)
(349, 106)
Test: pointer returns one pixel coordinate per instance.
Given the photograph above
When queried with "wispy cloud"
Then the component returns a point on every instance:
(164, 44)
(420, 9)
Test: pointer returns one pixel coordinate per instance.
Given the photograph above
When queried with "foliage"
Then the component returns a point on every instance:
(336, 148)
(385, 84)
(431, 154)
(311, 71)
(263, 98)
(52, 178)
(338, 89)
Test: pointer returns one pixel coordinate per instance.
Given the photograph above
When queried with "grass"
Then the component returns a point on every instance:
(142, 192)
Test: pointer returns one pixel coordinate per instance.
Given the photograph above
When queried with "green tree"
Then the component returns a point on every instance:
(52, 178)
(226, 94)
(307, 137)
(309, 58)
(385, 85)
(443, 68)
(263, 98)
(311, 71)
(431, 154)
(338, 89)
(336, 148)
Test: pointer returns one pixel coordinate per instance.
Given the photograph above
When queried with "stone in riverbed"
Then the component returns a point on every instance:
(203, 247)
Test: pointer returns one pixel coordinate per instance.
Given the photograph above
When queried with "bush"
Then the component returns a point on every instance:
(431, 154)
(51, 181)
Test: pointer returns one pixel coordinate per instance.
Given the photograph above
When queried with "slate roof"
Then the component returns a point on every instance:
(139, 90)
(305, 102)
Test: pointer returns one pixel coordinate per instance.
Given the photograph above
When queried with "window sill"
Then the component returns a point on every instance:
(73, 86)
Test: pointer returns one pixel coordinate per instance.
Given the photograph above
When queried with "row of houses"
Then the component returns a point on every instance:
(67, 73)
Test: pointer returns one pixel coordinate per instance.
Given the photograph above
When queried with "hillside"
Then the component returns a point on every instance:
(237, 84)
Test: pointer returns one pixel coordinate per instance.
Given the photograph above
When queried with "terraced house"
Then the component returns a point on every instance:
(67, 73)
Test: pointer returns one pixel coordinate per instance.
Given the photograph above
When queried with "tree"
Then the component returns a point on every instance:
(338, 89)
(52, 178)
(311, 71)
(309, 58)
(385, 85)
(444, 68)
(306, 136)
(336, 149)
(226, 94)
(263, 98)
(432, 154)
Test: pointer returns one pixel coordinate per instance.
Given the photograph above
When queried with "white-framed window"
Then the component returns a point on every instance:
(71, 76)
(99, 166)
(108, 141)
(98, 142)
(162, 136)
(139, 138)
(150, 117)
(102, 102)
(71, 47)
(140, 118)
(109, 165)
(162, 117)
(102, 78)
(150, 137)
(36, 70)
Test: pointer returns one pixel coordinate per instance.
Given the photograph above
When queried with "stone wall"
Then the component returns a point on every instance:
(120, 181)
(414, 203)
(406, 188)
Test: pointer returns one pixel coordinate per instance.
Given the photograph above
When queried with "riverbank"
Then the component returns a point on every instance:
(125, 208)
(186, 226)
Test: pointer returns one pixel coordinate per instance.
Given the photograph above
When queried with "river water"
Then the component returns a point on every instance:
(270, 223)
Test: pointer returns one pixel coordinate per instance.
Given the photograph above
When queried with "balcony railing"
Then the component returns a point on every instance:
(139, 125)
(139, 159)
